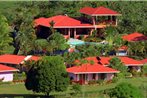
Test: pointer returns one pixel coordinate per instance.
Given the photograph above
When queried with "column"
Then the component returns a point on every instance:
(91, 31)
(77, 77)
(116, 21)
(97, 76)
(69, 32)
(75, 32)
(93, 20)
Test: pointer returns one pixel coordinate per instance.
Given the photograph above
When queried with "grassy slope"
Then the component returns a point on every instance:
(89, 90)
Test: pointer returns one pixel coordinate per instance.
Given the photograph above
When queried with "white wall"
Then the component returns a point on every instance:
(8, 76)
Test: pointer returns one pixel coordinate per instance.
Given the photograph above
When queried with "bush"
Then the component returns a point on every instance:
(115, 79)
(81, 37)
(76, 88)
(100, 82)
(128, 74)
(120, 75)
(125, 90)
(92, 39)
(92, 82)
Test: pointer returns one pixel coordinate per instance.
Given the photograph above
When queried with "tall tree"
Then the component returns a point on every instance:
(46, 75)
(57, 41)
(117, 64)
(5, 38)
(24, 30)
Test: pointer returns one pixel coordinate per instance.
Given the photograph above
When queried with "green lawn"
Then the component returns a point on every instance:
(87, 90)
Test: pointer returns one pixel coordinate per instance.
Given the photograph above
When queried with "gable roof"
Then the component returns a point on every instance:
(61, 21)
(144, 61)
(4, 68)
(88, 68)
(16, 59)
(135, 37)
(99, 11)
(105, 61)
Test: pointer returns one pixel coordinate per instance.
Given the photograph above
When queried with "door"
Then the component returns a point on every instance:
(71, 33)
(102, 76)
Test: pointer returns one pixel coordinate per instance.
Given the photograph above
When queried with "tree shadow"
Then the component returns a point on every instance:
(24, 96)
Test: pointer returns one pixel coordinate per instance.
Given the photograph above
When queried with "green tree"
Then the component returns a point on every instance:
(144, 69)
(125, 90)
(46, 75)
(69, 58)
(57, 41)
(5, 38)
(89, 50)
(24, 30)
(117, 64)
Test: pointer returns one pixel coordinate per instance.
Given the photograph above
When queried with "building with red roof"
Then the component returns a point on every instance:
(88, 72)
(16, 59)
(11, 59)
(128, 62)
(73, 28)
(6, 73)
(134, 37)
(122, 51)
(99, 11)
(144, 61)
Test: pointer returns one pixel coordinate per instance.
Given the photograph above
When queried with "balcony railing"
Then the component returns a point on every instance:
(106, 22)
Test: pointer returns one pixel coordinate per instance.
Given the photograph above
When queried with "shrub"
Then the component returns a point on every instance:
(76, 88)
(92, 82)
(144, 69)
(128, 74)
(120, 75)
(81, 37)
(115, 79)
(125, 90)
(100, 82)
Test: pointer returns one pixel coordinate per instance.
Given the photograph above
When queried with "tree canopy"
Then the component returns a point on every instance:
(117, 64)
(46, 75)
(5, 38)
(125, 90)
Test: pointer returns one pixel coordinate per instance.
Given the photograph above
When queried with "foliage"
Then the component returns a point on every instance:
(46, 75)
(19, 76)
(144, 69)
(89, 50)
(42, 45)
(69, 58)
(76, 88)
(57, 41)
(125, 90)
(23, 30)
(92, 39)
(5, 38)
(118, 65)
(137, 50)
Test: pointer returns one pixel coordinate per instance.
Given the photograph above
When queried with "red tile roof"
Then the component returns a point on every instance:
(88, 68)
(144, 61)
(99, 11)
(11, 59)
(16, 59)
(4, 68)
(61, 21)
(135, 37)
(105, 61)
(129, 61)
(123, 48)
